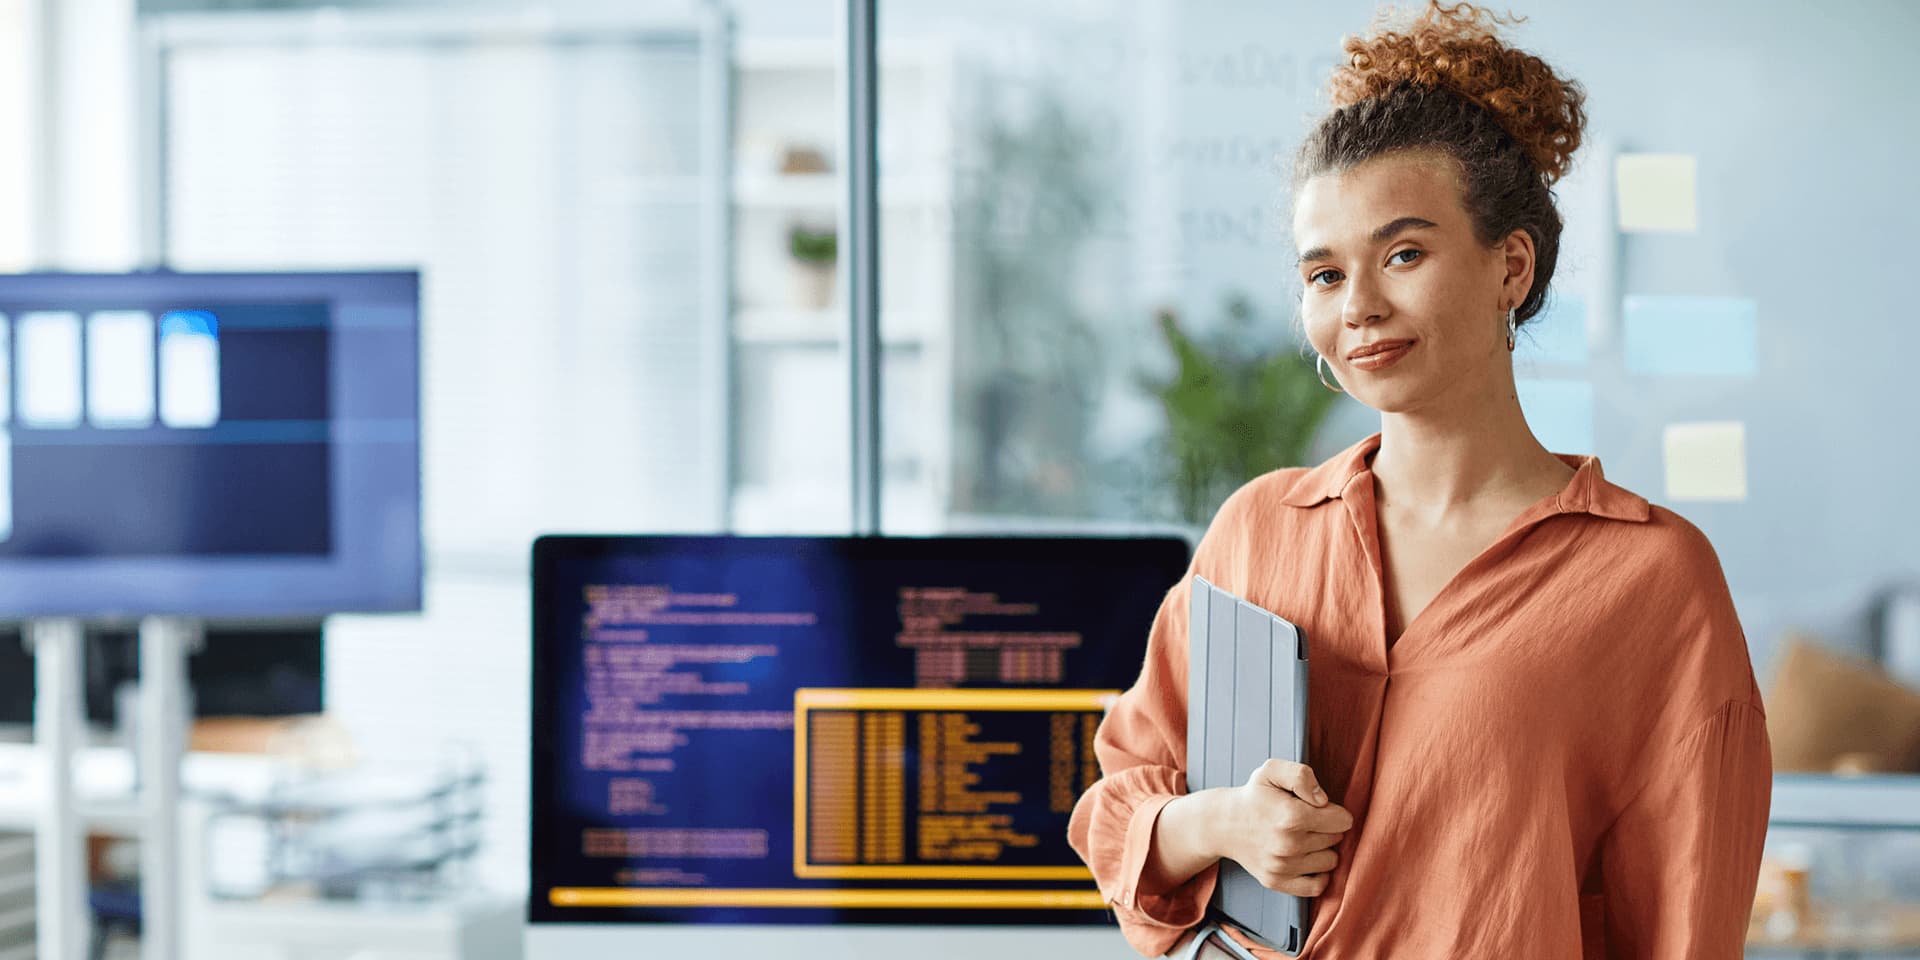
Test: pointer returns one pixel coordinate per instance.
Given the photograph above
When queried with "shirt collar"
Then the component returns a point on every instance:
(1587, 492)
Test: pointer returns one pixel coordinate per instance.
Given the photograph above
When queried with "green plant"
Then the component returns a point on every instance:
(1237, 406)
(813, 246)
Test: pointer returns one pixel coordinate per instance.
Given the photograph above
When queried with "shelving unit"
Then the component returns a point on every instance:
(790, 365)
(1867, 802)
(1854, 813)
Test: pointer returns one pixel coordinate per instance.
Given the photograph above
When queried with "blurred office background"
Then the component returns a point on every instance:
(635, 315)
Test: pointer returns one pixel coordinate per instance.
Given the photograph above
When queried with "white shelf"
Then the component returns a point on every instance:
(786, 96)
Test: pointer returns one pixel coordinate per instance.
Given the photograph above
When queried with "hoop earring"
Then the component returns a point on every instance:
(1318, 360)
(1512, 326)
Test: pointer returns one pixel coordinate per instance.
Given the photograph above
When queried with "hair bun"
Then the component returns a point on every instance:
(1455, 48)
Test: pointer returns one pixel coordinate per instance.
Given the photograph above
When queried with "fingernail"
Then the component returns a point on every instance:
(1319, 795)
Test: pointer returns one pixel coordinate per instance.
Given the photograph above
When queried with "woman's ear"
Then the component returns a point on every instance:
(1516, 254)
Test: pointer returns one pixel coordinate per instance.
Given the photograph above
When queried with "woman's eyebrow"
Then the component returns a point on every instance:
(1381, 234)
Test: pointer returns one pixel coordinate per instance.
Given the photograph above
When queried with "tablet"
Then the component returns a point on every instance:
(1246, 703)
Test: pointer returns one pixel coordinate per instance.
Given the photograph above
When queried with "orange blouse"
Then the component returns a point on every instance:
(1564, 755)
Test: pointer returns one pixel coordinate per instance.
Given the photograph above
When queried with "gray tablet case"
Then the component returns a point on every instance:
(1246, 703)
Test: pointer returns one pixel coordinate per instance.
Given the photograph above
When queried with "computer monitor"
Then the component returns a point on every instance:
(820, 732)
(209, 445)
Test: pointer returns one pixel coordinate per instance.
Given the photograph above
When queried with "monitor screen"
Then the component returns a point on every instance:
(807, 730)
(211, 445)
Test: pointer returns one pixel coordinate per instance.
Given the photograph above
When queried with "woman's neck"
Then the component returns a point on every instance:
(1480, 454)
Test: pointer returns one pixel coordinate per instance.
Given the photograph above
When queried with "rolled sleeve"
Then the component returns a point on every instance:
(1142, 749)
(1179, 907)
(1141, 746)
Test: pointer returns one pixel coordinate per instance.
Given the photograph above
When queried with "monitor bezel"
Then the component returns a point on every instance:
(253, 588)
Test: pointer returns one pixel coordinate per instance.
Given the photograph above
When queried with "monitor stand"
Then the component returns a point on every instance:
(61, 927)
(165, 644)
(60, 878)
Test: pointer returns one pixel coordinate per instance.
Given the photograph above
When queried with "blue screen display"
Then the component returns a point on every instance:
(826, 729)
(211, 445)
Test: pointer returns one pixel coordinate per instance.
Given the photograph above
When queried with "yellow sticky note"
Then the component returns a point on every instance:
(1706, 461)
(1655, 192)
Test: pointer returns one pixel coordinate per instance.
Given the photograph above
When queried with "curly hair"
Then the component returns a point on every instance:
(1445, 81)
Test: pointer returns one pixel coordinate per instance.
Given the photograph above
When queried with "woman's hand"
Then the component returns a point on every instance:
(1281, 827)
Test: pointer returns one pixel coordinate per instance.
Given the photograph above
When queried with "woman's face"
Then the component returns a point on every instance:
(1389, 259)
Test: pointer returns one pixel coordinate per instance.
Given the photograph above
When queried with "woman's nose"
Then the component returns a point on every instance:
(1364, 304)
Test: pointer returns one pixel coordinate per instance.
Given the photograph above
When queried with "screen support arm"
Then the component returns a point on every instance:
(59, 860)
(165, 644)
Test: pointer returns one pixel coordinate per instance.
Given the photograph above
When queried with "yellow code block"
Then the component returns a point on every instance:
(806, 700)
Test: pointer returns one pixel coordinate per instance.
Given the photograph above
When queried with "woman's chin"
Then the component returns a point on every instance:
(1389, 398)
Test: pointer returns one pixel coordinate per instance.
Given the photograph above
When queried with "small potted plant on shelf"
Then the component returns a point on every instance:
(814, 253)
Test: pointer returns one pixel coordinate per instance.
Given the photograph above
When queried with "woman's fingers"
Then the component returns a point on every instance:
(1278, 872)
(1310, 885)
(1332, 818)
(1309, 842)
(1319, 861)
(1295, 778)
(1298, 855)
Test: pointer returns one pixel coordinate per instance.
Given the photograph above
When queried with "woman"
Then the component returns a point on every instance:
(1535, 731)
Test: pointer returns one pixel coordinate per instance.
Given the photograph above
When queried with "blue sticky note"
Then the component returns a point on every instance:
(1560, 413)
(1557, 334)
(1711, 336)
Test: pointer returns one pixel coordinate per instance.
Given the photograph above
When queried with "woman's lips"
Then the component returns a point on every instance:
(1384, 358)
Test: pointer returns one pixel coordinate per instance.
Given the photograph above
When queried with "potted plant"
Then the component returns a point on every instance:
(1241, 402)
(814, 253)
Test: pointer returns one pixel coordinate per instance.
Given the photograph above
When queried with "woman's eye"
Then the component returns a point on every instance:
(1404, 253)
(1315, 279)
